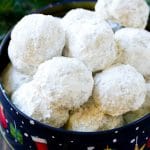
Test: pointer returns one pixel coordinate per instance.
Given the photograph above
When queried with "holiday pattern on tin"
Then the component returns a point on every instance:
(42, 144)
(10, 128)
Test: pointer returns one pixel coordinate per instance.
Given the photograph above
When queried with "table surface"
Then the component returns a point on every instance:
(3, 144)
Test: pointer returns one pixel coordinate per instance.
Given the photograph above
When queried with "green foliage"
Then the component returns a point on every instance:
(21, 6)
(148, 1)
(12, 10)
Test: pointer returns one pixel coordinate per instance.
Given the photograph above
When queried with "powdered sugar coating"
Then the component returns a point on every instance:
(94, 44)
(70, 82)
(86, 118)
(142, 111)
(130, 13)
(89, 117)
(78, 15)
(12, 79)
(59, 85)
(29, 99)
(82, 15)
(102, 8)
(34, 39)
(119, 89)
(135, 47)
(75, 15)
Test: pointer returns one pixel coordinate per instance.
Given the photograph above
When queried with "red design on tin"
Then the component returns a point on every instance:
(2, 118)
(41, 144)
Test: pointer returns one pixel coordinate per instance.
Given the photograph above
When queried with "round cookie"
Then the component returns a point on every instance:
(135, 48)
(34, 39)
(94, 44)
(129, 13)
(70, 81)
(119, 89)
(89, 117)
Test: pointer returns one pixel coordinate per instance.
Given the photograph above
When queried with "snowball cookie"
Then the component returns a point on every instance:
(12, 79)
(34, 39)
(81, 15)
(135, 47)
(86, 118)
(119, 89)
(66, 82)
(129, 13)
(78, 15)
(29, 99)
(89, 117)
(94, 44)
(142, 111)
